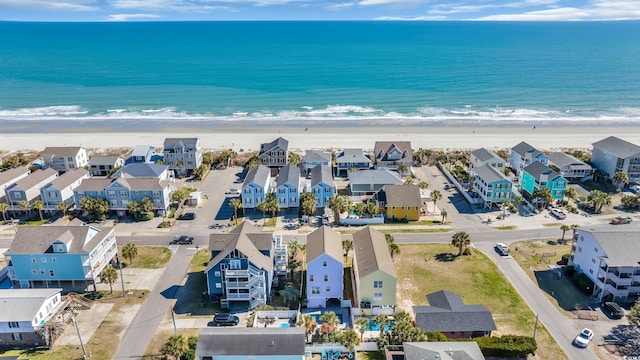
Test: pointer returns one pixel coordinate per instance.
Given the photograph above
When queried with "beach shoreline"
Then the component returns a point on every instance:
(246, 136)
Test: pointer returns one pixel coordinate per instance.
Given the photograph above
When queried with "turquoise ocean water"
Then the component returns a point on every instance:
(342, 71)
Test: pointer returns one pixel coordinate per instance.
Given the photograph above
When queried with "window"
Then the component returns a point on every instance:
(43, 259)
(218, 286)
(17, 336)
(315, 290)
(52, 273)
(234, 264)
(216, 273)
(580, 249)
(41, 271)
(328, 289)
(595, 249)
(33, 260)
(324, 263)
(326, 278)
(310, 277)
(377, 296)
(13, 325)
(377, 284)
(593, 260)
(34, 271)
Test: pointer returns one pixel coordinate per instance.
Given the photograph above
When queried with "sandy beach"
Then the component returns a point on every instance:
(240, 136)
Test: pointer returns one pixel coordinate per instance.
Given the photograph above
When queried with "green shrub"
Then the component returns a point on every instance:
(565, 258)
(145, 216)
(436, 336)
(164, 224)
(508, 345)
(583, 282)
(569, 270)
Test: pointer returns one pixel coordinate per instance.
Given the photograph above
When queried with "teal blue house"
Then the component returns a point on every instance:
(491, 185)
(539, 176)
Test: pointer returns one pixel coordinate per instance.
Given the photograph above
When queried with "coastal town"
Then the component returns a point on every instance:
(185, 250)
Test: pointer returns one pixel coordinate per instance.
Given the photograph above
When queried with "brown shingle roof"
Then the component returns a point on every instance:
(324, 241)
(11, 174)
(386, 146)
(35, 178)
(68, 178)
(93, 184)
(372, 252)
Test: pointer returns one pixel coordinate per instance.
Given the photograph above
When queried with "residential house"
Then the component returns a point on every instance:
(28, 188)
(325, 267)
(571, 168)
(313, 158)
(609, 258)
(104, 165)
(322, 185)
(351, 159)
(241, 269)
(492, 186)
(59, 256)
(23, 314)
(612, 154)
(288, 187)
(482, 156)
(140, 154)
(374, 275)
(183, 155)
(537, 176)
(445, 350)
(256, 185)
(10, 177)
(65, 158)
(274, 154)
(401, 202)
(61, 189)
(523, 154)
(448, 314)
(144, 171)
(388, 155)
(250, 343)
(369, 182)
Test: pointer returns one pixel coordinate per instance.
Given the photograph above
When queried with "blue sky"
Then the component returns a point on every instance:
(171, 10)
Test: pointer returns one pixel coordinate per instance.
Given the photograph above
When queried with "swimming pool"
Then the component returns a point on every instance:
(373, 327)
(316, 318)
(284, 325)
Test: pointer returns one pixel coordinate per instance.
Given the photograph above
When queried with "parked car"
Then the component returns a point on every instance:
(614, 309)
(558, 213)
(225, 320)
(502, 249)
(232, 192)
(621, 220)
(187, 216)
(183, 240)
(583, 339)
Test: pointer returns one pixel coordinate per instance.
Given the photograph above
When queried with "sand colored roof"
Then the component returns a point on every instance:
(248, 239)
(11, 174)
(68, 178)
(140, 170)
(93, 184)
(34, 179)
(372, 252)
(60, 151)
(251, 341)
(39, 239)
(23, 304)
(324, 241)
(618, 147)
(402, 195)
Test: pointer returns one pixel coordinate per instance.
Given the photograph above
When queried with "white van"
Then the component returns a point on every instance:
(558, 213)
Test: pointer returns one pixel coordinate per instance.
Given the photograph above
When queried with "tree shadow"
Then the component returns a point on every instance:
(445, 257)
(192, 298)
(626, 338)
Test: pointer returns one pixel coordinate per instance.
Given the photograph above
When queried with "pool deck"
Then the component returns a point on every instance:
(272, 322)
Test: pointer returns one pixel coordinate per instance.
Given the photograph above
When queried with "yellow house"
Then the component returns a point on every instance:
(402, 202)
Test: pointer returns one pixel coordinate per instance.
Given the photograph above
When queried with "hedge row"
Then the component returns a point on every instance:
(508, 345)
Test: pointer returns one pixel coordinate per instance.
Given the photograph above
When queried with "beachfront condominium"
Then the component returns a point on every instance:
(612, 155)
(389, 155)
(274, 154)
(65, 158)
(523, 154)
(182, 155)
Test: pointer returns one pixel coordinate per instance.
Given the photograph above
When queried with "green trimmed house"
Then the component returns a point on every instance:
(538, 176)
(491, 185)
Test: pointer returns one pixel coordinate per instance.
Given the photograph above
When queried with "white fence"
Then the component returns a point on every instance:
(376, 219)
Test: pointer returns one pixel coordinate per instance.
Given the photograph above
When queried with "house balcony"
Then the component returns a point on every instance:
(618, 285)
(237, 284)
(11, 273)
(236, 273)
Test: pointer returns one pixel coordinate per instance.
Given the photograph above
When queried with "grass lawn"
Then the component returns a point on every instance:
(423, 269)
(36, 222)
(193, 303)
(161, 337)
(396, 231)
(412, 223)
(371, 355)
(535, 257)
(506, 227)
(149, 257)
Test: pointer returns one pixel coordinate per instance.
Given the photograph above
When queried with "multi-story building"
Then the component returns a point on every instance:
(401, 202)
(350, 160)
(9, 177)
(61, 189)
(537, 176)
(23, 314)
(140, 154)
(144, 171)
(288, 187)
(274, 154)
(523, 154)
(388, 155)
(28, 188)
(325, 264)
(369, 182)
(484, 156)
(227, 343)
(613, 154)
(67, 257)
(313, 158)
(491, 185)
(571, 168)
(322, 185)
(104, 165)
(65, 158)
(255, 187)
(183, 155)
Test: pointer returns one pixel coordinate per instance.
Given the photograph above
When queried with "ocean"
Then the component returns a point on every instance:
(317, 71)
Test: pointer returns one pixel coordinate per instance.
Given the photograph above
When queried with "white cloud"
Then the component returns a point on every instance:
(192, 5)
(127, 17)
(557, 14)
(390, 2)
(418, 18)
(69, 5)
(615, 10)
(453, 8)
(340, 6)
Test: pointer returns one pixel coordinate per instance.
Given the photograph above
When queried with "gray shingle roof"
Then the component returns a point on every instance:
(10, 175)
(483, 154)
(147, 184)
(523, 148)
(38, 239)
(352, 156)
(383, 147)
(171, 142)
(34, 179)
(23, 304)
(251, 341)
(372, 252)
(448, 313)
(258, 175)
(621, 246)
(617, 147)
(489, 173)
(141, 150)
(289, 174)
(402, 195)
(51, 151)
(68, 178)
(317, 155)
(375, 176)
(561, 159)
(93, 184)
(140, 170)
(448, 350)
(104, 160)
(324, 241)
(280, 143)
(247, 239)
(538, 169)
(321, 174)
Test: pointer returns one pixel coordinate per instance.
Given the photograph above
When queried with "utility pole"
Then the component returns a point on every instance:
(120, 267)
(173, 318)
(73, 318)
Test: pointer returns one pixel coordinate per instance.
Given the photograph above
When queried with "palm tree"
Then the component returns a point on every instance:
(263, 206)
(505, 204)
(294, 248)
(362, 324)
(394, 249)
(129, 251)
(253, 162)
(272, 204)
(134, 208)
(3, 209)
(329, 321)
(408, 181)
(544, 194)
(349, 338)
(435, 196)
(175, 346)
(50, 331)
(382, 322)
(461, 239)
(235, 203)
(87, 204)
(599, 199)
(180, 196)
(564, 229)
(338, 203)
(308, 203)
(294, 158)
(38, 205)
(347, 245)
(372, 208)
(444, 215)
(62, 206)
(423, 185)
(110, 275)
(574, 227)
(309, 323)
(25, 206)
(570, 193)
(146, 204)
(289, 294)
(402, 168)
(620, 178)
